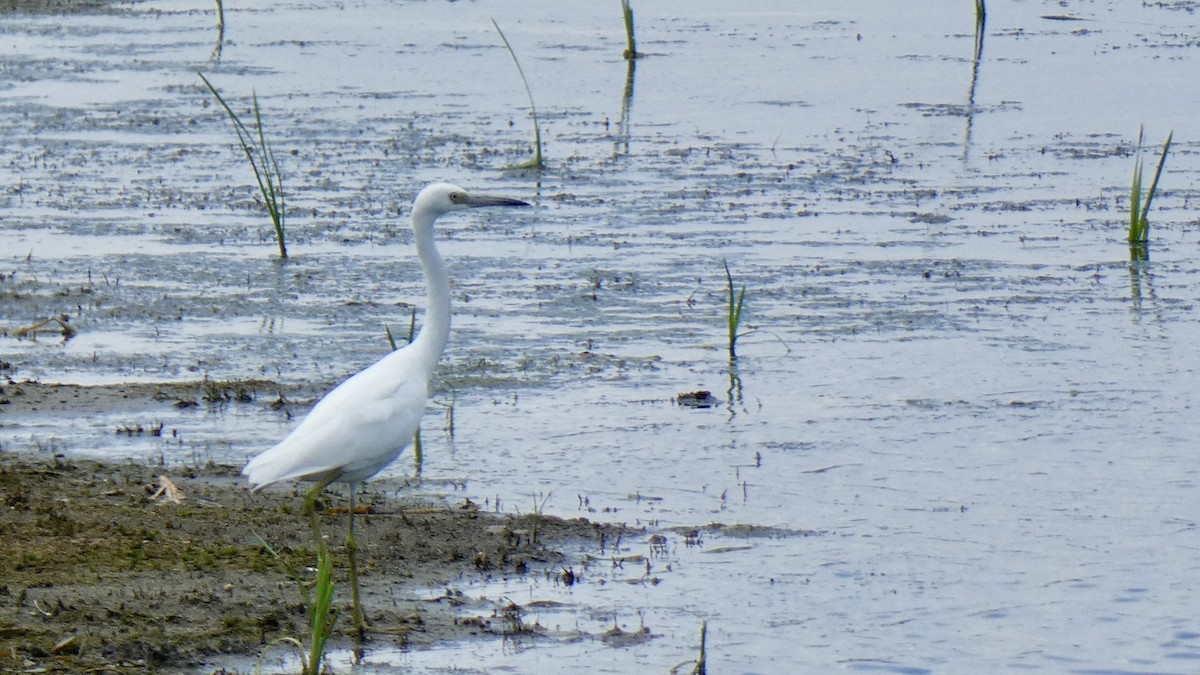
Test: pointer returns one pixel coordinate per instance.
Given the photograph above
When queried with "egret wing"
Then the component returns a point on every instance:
(358, 428)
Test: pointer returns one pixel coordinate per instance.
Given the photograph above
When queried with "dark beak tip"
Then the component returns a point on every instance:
(499, 201)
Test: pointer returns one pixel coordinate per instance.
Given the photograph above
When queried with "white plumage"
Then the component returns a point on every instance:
(367, 421)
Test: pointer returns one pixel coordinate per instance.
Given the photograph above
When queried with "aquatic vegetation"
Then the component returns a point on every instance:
(631, 51)
(262, 162)
(216, 55)
(1139, 206)
(733, 311)
(701, 667)
(322, 615)
(450, 412)
(980, 24)
(536, 162)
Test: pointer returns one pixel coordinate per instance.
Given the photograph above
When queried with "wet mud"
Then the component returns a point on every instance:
(119, 570)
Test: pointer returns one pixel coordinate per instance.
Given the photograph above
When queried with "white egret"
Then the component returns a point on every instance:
(364, 423)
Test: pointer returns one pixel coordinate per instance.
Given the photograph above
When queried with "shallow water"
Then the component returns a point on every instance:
(965, 417)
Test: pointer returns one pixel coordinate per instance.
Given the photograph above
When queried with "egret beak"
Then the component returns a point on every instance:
(476, 201)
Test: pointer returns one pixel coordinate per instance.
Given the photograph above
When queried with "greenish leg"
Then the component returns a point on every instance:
(360, 625)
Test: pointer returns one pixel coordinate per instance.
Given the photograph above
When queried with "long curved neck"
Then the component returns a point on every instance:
(435, 329)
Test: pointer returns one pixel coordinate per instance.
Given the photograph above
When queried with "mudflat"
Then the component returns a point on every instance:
(126, 567)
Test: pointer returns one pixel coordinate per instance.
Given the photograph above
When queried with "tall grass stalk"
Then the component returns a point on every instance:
(262, 162)
(631, 51)
(216, 55)
(450, 411)
(733, 311)
(702, 662)
(321, 613)
(1139, 206)
(536, 162)
(980, 25)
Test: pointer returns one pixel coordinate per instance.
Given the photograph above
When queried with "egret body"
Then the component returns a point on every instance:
(364, 423)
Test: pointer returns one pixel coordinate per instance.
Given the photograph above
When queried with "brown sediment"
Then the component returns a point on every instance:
(103, 570)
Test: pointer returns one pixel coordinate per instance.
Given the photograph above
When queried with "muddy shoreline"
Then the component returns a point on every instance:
(106, 573)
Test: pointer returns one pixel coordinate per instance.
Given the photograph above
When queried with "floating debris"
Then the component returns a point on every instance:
(46, 326)
(697, 399)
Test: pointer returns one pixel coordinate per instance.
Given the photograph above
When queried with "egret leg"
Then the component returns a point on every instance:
(360, 625)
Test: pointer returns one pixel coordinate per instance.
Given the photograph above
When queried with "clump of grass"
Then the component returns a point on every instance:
(262, 162)
(733, 311)
(1139, 207)
(536, 162)
(322, 615)
(631, 51)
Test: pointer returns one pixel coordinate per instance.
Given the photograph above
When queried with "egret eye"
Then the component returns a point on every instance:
(458, 197)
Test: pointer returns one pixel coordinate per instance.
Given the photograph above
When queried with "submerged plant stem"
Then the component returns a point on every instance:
(1139, 205)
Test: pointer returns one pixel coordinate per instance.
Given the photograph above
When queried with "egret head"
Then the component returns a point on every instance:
(441, 198)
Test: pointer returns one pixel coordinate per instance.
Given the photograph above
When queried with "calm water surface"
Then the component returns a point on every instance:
(960, 433)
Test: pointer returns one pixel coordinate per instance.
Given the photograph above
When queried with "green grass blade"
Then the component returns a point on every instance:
(631, 51)
(536, 162)
(1135, 209)
(262, 163)
(270, 184)
(321, 612)
(1135, 192)
(733, 313)
(701, 667)
(1162, 159)
(1139, 204)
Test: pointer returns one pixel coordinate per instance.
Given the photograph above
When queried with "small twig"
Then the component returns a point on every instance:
(33, 329)
(167, 492)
